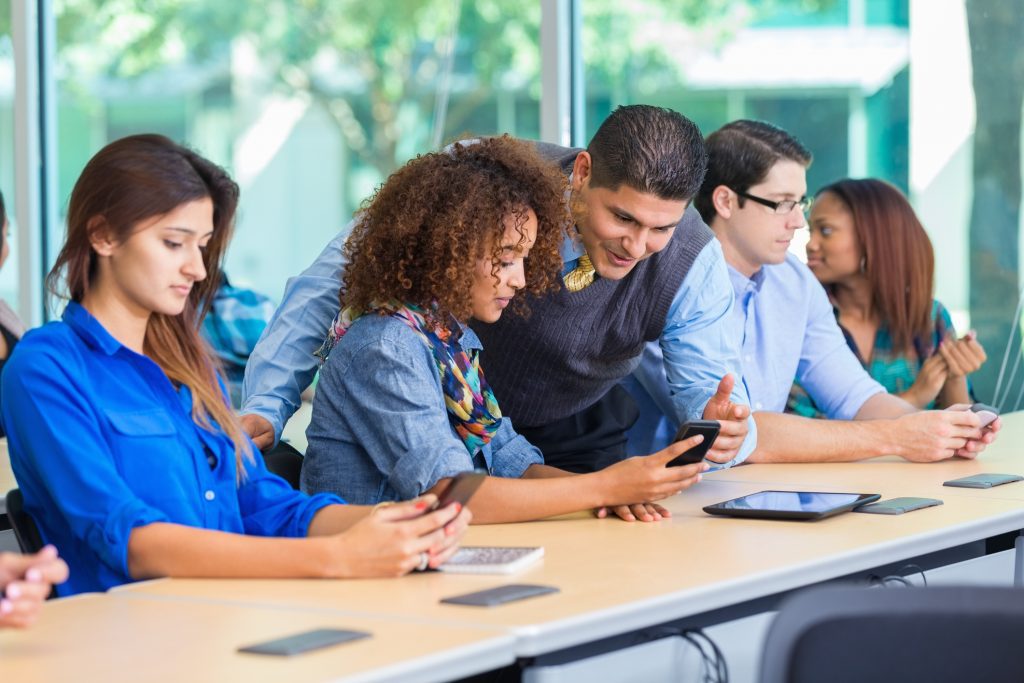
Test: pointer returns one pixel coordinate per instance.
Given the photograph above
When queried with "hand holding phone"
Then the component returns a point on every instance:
(460, 489)
(708, 429)
(987, 413)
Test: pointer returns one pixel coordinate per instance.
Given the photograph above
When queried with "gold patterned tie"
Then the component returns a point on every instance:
(580, 276)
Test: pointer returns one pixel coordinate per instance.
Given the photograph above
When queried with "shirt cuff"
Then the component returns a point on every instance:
(851, 406)
(514, 455)
(415, 472)
(274, 410)
(315, 504)
(110, 542)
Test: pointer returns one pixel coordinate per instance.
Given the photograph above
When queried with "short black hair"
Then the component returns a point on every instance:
(740, 155)
(649, 149)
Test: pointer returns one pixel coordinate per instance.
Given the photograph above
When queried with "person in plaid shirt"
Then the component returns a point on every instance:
(234, 324)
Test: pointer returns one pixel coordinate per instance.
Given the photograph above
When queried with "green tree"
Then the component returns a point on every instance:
(374, 66)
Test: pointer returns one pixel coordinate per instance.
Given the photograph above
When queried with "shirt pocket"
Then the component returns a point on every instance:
(145, 446)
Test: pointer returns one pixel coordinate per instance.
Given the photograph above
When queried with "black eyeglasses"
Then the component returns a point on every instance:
(779, 208)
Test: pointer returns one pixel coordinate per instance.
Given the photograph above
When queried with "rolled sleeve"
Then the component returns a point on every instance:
(700, 345)
(828, 370)
(510, 453)
(270, 507)
(282, 364)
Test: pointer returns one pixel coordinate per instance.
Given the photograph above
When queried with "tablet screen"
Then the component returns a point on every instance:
(791, 504)
(791, 501)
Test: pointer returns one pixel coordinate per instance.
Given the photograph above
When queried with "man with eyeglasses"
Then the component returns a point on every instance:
(754, 197)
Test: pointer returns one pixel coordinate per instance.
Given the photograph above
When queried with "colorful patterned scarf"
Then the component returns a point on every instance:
(472, 409)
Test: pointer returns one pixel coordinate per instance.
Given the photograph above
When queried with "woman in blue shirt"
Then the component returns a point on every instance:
(402, 404)
(128, 455)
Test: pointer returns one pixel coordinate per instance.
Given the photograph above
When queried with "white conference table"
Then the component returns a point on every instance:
(615, 578)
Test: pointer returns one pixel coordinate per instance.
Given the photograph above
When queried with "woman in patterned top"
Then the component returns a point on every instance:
(870, 251)
(402, 403)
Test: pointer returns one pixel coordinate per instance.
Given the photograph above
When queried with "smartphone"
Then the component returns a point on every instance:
(706, 428)
(493, 597)
(987, 413)
(460, 489)
(983, 481)
(304, 642)
(898, 506)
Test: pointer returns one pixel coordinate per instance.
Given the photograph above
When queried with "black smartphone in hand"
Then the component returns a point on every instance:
(460, 489)
(706, 428)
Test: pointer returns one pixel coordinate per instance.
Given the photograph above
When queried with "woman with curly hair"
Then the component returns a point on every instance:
(402, 404)
(873, 256)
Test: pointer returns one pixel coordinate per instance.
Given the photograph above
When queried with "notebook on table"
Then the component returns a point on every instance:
(491, 560)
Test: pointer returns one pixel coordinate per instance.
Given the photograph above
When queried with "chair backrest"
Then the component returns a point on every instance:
(286, 462)
(849, 634)
(24, 527)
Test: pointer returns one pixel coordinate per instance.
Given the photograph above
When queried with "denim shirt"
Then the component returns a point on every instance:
(101, 443)
(380, 430)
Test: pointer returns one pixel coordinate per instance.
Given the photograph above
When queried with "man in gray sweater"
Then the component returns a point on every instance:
(639, 266)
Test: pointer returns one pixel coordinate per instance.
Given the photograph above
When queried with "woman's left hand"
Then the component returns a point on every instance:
(963, 356)
(644, 512)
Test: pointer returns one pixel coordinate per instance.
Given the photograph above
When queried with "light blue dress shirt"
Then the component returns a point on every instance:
(101, 442)
(380, 430)
(699, 341)
(788, 330)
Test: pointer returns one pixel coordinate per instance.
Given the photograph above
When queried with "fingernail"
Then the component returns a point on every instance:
(33, 575)
(458, 507)
(13, 590)
(421, 504)
(448, 531)
(699, 477)
(6, 607)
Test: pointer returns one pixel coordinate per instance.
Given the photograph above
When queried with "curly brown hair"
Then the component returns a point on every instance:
(416, 240)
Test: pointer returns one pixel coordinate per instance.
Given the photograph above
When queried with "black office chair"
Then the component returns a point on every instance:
(24, 526)
(286, 462)
(855, 634)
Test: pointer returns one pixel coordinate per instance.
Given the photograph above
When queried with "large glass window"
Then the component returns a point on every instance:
(309, 105)
(9, 268)
(926, 94)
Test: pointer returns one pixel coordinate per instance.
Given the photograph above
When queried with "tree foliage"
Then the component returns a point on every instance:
(373, 65)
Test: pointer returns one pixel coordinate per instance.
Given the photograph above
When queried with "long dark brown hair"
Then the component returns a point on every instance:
(132, 180)
(898, 257)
